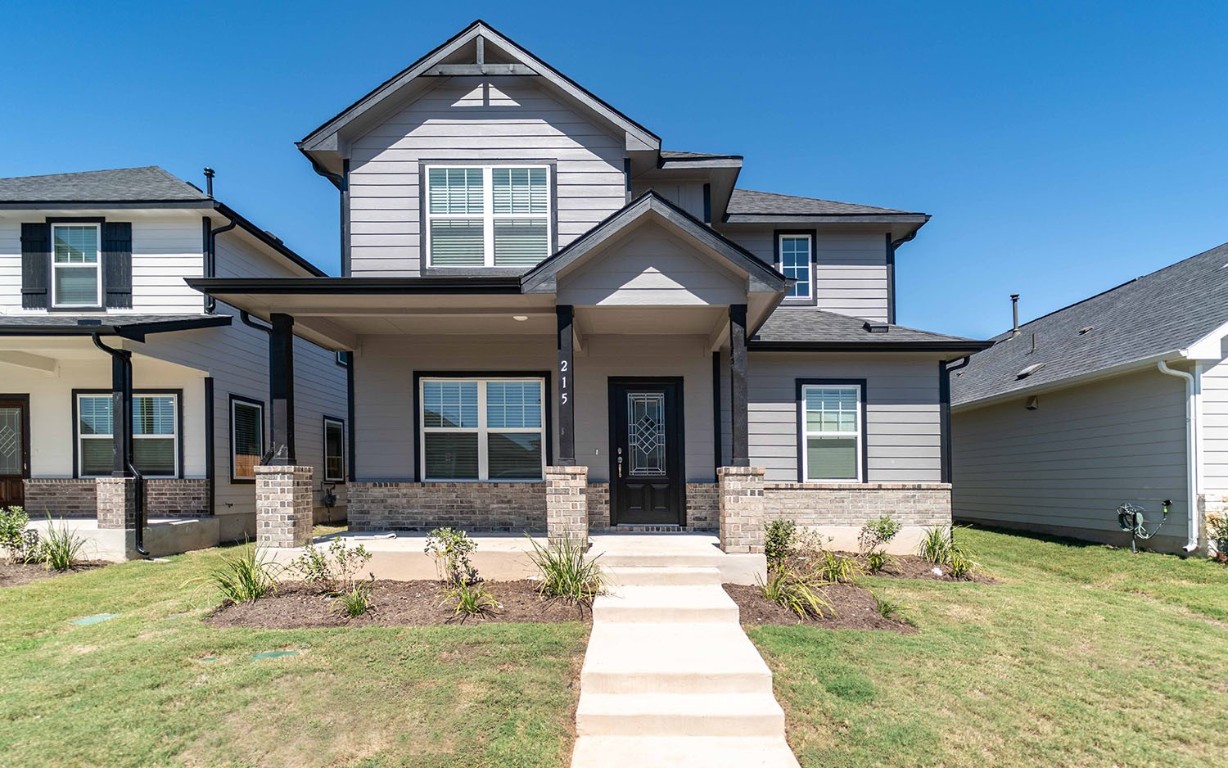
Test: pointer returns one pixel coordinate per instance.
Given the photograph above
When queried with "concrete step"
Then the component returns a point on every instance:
(679, 714)
(713, 658)
(689, 604)
(663, 575)
(684, 752)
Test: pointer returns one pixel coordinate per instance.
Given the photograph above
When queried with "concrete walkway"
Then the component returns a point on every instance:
(670, 678)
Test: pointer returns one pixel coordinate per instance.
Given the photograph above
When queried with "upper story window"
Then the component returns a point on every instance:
(76, 279)
(795, 259)
(487, 216)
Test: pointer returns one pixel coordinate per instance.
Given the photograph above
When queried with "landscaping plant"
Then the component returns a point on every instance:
(471, 599)
(873, 540)
(779, 541)
(451, 549)
(939, 548)
(836, 568)
(245, 577)
(567, 572)
(61, 547)
(333, 569)
(887, 608)
(357, 600)
(13, 523)
(1217, 531)
(795, 591)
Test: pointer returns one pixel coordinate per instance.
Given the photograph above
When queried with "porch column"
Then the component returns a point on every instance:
(121, 412)
(281, 388)
(567, 409)
(739, 421)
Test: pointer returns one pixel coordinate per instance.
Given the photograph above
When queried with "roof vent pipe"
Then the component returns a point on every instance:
(1014, 314)
(209, 182)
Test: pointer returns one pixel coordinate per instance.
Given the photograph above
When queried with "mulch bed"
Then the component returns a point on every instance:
(296, 605)
(854, 608)
(16, 574)
(914, 567)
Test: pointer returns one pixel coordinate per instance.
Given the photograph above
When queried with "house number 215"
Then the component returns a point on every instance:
(563, 389)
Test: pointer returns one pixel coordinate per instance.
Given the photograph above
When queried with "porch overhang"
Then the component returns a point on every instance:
(132, 327)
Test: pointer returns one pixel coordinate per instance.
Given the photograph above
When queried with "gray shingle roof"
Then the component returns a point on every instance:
(1147, 317)
(673, 154)
(746, 201)
(148, 184)
(798, 325)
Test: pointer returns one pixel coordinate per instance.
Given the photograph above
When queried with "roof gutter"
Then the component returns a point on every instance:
(862, 346)
(1193, 426)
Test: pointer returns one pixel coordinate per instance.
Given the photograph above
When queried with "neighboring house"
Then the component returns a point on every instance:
(1122, 397)
(104, 255)
(531, 282)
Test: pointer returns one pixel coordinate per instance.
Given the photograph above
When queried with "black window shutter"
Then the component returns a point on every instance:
(117, 264)
(35, 264)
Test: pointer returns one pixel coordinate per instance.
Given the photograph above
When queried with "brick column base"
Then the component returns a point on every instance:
(115, 499)
(283, 506)
(566, 504)
(741, 507)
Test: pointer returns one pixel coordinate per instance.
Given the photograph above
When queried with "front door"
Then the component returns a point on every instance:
(647, 482)
(14, 450)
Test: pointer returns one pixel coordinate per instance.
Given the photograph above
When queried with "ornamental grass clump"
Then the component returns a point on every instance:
(567, 572)
(470, 600)
(939, 547)
(794, 590)
(245, 577)
(59, 549)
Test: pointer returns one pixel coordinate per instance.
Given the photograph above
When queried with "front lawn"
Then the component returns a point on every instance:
(156, 685)
(1080, 655)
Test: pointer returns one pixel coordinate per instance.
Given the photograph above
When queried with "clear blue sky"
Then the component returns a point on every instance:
(1061, 149)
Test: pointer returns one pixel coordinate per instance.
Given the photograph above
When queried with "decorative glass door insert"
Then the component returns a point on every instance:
(646, 433)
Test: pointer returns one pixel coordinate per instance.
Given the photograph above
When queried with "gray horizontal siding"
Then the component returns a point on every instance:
(1215, 426)
(1071, 462)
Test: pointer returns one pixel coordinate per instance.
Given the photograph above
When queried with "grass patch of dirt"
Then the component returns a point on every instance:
(854, 608)
(296, 605)
(16, 574)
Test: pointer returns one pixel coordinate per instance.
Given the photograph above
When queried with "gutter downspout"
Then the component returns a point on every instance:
(1192, 401)
(211, 258)
(945, 368)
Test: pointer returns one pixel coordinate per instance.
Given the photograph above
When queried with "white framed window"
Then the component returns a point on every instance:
(246, 438)
(487, 216)
(482, 429)
(334, 450)
(796, 261)
(155, 435)
(76, 265)
(831, 431)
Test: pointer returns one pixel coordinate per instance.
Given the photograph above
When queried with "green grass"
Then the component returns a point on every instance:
(1080, 655)
(157, 686)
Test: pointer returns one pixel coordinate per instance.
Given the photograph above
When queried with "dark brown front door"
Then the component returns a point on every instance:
(646, 471)
(14, 450)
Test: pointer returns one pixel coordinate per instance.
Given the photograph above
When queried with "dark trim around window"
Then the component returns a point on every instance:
(51, 307)
(814, 261)
(345, 441)
(799, 411)
(76, 426)
(230, 434)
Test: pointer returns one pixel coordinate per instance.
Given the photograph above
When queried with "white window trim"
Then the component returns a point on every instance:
(810, 264)
(55, 302)
(807, 434)
(324, 470)
(488, 214)
(481, 430)
(233, 452)
(174, 436)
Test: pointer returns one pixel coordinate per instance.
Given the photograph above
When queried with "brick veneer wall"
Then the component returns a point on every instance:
(598, 505)
(64, 497)
(515, 507)
(853, 504)
(567, 504)
(703, 506)
(177, 498)
(283, 506)
(116, 502)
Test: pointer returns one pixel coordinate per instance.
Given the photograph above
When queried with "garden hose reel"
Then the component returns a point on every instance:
(1132, 518)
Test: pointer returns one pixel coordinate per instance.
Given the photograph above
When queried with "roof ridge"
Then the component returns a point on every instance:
(96, 170)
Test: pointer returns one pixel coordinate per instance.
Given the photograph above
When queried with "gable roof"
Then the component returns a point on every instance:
(543, 277)
(1157, 316)
(809, 329)
(478, 29)
(147, 184)
(749, 202)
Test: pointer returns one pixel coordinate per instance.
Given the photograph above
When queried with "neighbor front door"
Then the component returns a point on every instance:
(647, 481)
(14, 450)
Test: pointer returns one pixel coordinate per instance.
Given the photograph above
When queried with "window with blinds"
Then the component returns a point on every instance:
(832, 432)
(485, 429)
(155, 435)
(246, 438)
(75, 265)
(487, 216)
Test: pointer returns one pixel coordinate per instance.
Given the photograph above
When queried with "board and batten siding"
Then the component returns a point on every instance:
(1066, 466)
(902, 429)
(850, 266)
(166, 248)
(498, 119)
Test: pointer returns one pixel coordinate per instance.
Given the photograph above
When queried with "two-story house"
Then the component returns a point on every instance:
(532, 286)
(94, 310)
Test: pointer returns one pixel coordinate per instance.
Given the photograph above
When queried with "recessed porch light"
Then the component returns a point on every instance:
(520, 318)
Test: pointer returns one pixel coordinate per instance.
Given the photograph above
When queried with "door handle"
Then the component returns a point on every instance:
(620, 467)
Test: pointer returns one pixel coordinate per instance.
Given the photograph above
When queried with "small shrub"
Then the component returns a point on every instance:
(877, 533)
(877, 560)
(61, 547)
(567, 572)
(961, 563)
(451, 549)
(245, 577)
(471, 600)
(1217, 531)
(13, 524)
(333, 569)
(835, 568)
(936, 545)
(357, 600)
(799, 594)
(779, 541)
(887, 608)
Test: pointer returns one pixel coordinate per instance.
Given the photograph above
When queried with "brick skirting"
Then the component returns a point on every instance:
(702, 506)
(515, 507)
(177, 498)
(854, 504)
(60, 497)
